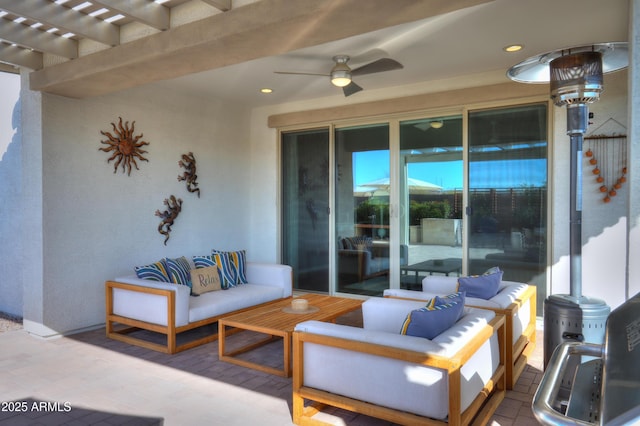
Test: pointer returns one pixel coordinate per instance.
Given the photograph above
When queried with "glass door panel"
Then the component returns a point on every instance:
(305, 207)
(508, 193)
(431, 185)
(362, 209)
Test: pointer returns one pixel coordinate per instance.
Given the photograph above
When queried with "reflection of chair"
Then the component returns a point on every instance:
(457, 377)
(516, 301)
(359, 258)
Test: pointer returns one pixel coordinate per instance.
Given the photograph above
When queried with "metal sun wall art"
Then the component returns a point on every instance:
(174, 206)
(188, 162)
(125, 146)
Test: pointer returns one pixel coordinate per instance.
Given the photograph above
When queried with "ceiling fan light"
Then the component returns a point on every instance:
(340, 77)
(340, 81)
(341, 73)
(437, 124)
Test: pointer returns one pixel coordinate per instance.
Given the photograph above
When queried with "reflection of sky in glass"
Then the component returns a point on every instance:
(508, 174)
(372, 165)
(369, 166)
(447, 175)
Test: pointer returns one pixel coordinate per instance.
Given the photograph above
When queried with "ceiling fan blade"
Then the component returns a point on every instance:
(300, 73)
(381, 65)
(351, 88)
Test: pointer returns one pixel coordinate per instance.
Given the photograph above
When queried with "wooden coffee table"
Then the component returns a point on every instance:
(273, 321)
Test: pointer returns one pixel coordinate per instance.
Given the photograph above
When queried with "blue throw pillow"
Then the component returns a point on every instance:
(481, 286)
(428, 322)
(179, 270)
(454, 297)
(238, 264)
(203, 261)
(154, 272)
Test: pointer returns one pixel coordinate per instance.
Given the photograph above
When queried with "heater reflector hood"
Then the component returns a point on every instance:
(536, 69)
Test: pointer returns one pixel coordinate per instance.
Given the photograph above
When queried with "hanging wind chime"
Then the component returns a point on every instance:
(608, 156)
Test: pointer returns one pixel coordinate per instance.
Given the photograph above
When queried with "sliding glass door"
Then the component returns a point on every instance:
(508, 193)
(431, 177)
(369, 207)
(362, 229)
(305, 207)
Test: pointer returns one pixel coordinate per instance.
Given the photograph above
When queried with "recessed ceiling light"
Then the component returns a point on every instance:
(266, 90)
(513, 48)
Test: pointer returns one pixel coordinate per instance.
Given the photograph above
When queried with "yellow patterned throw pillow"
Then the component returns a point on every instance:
(204, 280)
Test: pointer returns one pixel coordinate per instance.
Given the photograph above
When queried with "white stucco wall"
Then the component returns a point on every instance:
(99, 224)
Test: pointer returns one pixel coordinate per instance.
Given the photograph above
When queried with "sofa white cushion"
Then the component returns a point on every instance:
(387, 314)
(216, 303)
(271, 275)
(426, 296)
(440, 284)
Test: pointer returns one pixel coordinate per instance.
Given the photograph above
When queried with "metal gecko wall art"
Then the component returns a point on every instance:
(174, 206)
(188, 162)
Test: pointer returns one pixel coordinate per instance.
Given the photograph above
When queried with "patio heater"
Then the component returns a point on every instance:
(575, 77)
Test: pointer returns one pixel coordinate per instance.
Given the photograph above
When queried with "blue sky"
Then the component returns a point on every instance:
(372, 165)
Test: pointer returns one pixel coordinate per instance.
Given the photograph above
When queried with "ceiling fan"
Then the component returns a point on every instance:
(341, 74)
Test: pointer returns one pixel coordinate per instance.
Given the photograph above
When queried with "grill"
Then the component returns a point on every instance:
(605, 384)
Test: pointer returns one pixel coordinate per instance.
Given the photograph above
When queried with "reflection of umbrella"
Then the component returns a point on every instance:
(369, 191)
(381, 187)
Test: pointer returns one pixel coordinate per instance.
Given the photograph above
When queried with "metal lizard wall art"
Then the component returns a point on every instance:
(188, 163)
(174, 206)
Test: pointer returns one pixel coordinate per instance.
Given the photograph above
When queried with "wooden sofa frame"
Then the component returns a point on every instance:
(479, 412)
(120, 328)
(517, 356)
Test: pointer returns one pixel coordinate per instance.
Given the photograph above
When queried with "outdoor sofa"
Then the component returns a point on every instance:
(134, 304)
(516, 301)
(455, 378)
(360, 258)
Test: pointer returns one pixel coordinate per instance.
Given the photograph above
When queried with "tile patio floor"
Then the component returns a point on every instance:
(88, 379)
